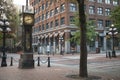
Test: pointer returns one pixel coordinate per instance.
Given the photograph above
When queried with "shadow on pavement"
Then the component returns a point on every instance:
(90, 77)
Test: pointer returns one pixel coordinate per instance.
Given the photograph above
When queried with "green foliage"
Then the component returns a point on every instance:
(115, 16)
(12, 16)
(76, 37)
(90, 31)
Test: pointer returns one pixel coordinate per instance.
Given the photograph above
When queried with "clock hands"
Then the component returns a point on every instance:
(28, 19)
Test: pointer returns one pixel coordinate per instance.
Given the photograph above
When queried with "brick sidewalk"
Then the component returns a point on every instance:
(56, 72)
(44, 73)
(38, 73)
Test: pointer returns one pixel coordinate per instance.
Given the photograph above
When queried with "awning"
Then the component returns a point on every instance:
(42, 37)
(46, 35)
(62, 33)
(39, 37)
(50, 35)
(56, 34)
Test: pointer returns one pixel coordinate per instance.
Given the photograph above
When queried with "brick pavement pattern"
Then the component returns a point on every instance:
(59, 72)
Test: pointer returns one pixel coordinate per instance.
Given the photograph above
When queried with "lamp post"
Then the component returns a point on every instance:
(113, 32)
(97, 43)
(4, 28)
(61, 42)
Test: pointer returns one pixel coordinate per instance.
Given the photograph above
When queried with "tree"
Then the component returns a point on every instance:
(115, 16)
(91, 33)
(83, 29)
(83, 55)
(10, 11)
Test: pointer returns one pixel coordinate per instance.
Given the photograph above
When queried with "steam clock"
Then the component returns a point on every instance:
(27, 19)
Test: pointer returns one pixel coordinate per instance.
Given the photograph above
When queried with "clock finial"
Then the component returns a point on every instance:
(26, 4)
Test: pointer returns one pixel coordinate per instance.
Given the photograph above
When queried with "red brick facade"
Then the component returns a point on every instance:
(54, 19)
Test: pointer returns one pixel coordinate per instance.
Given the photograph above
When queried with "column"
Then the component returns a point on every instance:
(78, 48)
(33, 48)
(105, 44)
(49, 43)
(67, 42)
(54, 45)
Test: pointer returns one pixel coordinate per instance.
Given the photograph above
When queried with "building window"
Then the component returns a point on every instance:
(107, 1)
(92, 0)
(42, 26)
(100, 11)
(36, 10)
(42, 16)
(47, 15)
(39, 8)
(46, 4)
(39, 18)
(56, 22)
(51, 12)
(62, 8)
(91, 9)
(62, 21)
(51, 24)
(36, 1)
(73, 7)
(43, 6)
(115, 2)
(107, 23)
(32, 4)
(56, 10)
(100, 23)
(99, 1)
(51, 2)
(35, 29)
(47, 25)
(72, 19)
(107, 12)
(39, 28)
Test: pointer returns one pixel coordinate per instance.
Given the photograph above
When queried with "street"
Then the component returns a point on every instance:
(98, 65)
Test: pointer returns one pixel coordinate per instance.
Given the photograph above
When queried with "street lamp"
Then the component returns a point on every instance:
(113, 32)
(4, 28)
(61, 42)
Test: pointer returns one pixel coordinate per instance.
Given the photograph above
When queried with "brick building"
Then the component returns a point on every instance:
(54, 23)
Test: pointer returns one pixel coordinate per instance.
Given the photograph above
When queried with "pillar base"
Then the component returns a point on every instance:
(97, 50)
(26, 61)
(3, 63)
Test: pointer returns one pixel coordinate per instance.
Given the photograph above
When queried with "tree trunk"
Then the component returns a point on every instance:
(83, 55)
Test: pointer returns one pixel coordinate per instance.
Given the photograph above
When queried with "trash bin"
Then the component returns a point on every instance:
(97, 50)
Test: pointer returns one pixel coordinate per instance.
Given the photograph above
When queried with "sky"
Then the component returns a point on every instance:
(19, 2)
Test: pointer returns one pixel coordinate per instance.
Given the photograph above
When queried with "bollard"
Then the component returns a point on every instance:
(53, 53)
(11, 62)
(38, 61)
(106, 54)
(113, 54)
(109, 55)
(48, 61)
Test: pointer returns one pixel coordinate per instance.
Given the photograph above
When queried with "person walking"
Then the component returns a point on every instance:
(48, 49)
(39, 50)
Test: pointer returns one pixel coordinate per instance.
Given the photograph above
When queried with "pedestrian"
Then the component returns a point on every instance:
(48, 49)
(39, 50)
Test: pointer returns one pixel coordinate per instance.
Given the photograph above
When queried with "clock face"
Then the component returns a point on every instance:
(28, 19)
